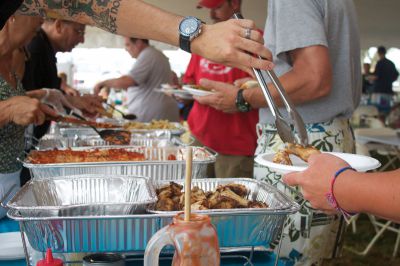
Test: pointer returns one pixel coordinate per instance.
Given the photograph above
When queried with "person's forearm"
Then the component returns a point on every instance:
(4, 114)
(37, 94)
(124, 17)
(299, 88)
(375, 193)
(309, 79)
(119, 83)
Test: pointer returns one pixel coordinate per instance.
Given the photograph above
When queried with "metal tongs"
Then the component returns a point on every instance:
(286, 129)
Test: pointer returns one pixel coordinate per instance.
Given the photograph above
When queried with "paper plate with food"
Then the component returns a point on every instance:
(294, 158)
(197, 90)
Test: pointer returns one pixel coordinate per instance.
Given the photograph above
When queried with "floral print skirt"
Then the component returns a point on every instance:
(309, 235)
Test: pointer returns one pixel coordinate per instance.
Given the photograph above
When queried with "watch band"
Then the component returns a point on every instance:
(184, 43)
(241, 103)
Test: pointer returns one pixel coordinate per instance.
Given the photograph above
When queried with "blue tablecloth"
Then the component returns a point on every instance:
(7, 225)
(259, 258)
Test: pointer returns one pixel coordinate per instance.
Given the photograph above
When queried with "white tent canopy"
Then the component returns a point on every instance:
(379, 21)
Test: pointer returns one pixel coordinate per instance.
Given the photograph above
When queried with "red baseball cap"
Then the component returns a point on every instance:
(209, 3)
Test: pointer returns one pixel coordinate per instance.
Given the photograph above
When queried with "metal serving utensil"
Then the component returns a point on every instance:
(125, 116)
(116, 137)
(284, 126)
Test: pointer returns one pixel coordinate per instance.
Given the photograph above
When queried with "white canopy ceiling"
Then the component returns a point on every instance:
(379, 20)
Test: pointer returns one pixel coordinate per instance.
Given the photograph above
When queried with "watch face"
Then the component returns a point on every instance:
(189, 26)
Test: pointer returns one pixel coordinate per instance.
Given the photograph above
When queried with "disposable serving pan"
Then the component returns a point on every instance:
(125, 233)
(158, 164)
(75, 234)
(242, 227)
(84, 195)
(80, 130)
(51, 142)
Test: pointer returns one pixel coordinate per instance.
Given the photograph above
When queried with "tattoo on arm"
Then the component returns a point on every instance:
(100, 13)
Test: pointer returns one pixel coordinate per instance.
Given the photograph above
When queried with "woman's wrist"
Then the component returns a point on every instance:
(345, 191)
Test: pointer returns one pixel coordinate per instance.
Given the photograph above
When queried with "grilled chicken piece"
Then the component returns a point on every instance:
(165, 194)
(303, 152)
(196, 195)
(200, 205)
(226, 203)
(166, 204)
(282, 157)
(257, 204)
(176, 188)
(238, 189)
(227, 193)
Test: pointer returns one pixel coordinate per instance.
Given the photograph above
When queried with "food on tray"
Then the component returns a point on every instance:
(73, 120)
(74, 156)
(119, 137)
(104, 112)
(154, 124)
(230, 196)
(282, 156)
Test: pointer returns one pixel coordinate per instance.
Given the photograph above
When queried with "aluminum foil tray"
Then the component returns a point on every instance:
(243, 227)
(51, 142)
(132, 232)
(74, 130)
(88, 233)
(82, 131)
(178, 130)
(84, 195)
(157, 166)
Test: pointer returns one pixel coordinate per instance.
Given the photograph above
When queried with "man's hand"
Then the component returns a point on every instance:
(225, 43)
(23, 110)
(70, 91)
(97, 88)
(316, 180)
(223, 98)
(56, 99)
(88, 104)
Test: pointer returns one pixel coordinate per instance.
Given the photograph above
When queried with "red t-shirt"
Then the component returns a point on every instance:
(229, 134)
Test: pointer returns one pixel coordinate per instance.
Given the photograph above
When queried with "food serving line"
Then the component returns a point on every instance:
(88, 207)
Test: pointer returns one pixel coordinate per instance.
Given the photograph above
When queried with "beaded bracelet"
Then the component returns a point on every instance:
(331, 197)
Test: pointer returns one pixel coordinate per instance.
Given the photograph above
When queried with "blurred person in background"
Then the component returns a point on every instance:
(41, 67)
(150, 70)
(383, 77)
(54, 36)
(368, 85)
(233, 136)
(18, 109)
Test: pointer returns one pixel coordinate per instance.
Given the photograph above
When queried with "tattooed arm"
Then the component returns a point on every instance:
(222, 42)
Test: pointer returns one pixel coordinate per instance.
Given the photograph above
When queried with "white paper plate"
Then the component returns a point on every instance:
(359, 162)
(177, 93)
(167, 86)
(196, 92)
(11, 247)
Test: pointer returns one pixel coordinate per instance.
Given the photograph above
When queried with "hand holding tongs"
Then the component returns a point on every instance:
(284, 127)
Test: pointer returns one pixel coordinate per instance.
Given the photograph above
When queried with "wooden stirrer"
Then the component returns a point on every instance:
(188, 182)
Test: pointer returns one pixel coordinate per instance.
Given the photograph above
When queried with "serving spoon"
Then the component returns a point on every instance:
(125, 116)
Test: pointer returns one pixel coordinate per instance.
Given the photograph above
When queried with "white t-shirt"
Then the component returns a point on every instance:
(150, 70)
(293, 24)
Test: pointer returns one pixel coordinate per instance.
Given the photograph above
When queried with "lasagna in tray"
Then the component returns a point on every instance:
(74, 156)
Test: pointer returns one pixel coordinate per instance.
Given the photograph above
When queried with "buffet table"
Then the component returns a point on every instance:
(99, 221)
